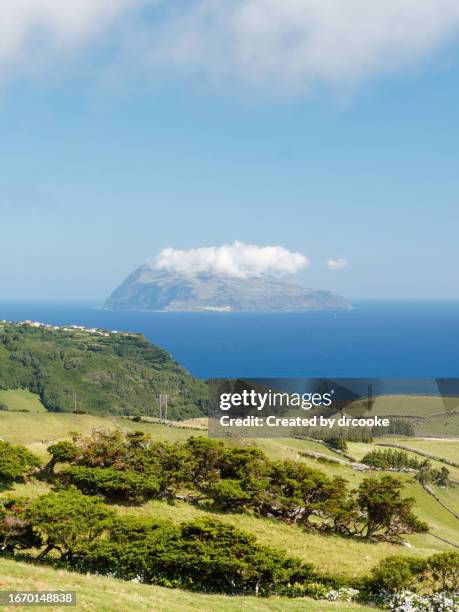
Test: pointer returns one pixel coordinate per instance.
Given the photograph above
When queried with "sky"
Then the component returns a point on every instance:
(324, 128)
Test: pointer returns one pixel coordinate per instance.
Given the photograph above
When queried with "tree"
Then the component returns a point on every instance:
(205, 460)
(441, 477)
(339, 443)
(61, 452)
(68, 521)
(386, 513)
(298, 492)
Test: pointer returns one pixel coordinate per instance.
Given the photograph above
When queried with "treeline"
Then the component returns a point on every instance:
(397, 426)
(83, 533)
(400, 460)
(80, 532)
(132, 468)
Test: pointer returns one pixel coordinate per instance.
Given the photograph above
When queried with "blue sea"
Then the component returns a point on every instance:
(375, 340)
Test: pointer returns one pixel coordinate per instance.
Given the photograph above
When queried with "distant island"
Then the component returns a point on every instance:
(150, 289)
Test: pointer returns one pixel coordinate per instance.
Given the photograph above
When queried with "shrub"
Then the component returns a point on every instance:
(228, 494)
(396, 573)
(116, 485)
(61, 452)
(15, 462)
(203, 554)
(445, 570)
(68, 520)
(16, 531)
(338, 443)
(407, 601)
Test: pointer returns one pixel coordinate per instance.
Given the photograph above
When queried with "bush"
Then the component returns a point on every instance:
(338, 443)
(413, 602)
(445, 570)
(15, 462)
(116, 485)
(68, 521)
(61, 452)
(396, 573)
(203, 554)
(228, 494)
(16, 531)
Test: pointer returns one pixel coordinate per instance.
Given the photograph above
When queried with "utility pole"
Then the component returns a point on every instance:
(163, 402)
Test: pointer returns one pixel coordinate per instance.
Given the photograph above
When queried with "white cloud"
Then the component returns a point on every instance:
(31, 27)
(236, 260)
(337, 264)
(289, 44)
(285, 45)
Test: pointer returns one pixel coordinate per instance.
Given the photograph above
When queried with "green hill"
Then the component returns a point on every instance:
(97, 372)
(20, 400)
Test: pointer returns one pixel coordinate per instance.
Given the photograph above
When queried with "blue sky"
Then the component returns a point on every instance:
(107, 158)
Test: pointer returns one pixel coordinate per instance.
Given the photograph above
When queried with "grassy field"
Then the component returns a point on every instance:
(431, 412)
(21, 400)
(439, 426)
(412, 405)
(107, 594)
(38, 431)
(349, 557)
(443, 448)
(448, 449)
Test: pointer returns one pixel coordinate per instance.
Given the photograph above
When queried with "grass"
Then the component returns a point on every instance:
(359, 450)
(349, 557)
(447, 425)
(440, 521)
(107, 594)
(21, 400)
(449, 496)
(403, 405)
(430, 412)
(38, 431)
(449, 449)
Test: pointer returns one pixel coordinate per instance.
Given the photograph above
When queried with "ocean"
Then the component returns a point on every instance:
(375, 340)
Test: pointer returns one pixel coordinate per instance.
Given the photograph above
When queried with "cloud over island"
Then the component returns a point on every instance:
(237, 260)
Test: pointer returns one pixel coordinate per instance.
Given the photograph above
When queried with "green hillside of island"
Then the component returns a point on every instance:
(74, 369)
